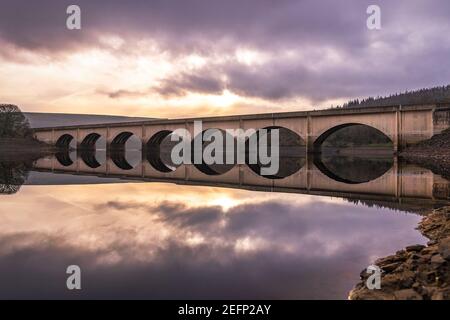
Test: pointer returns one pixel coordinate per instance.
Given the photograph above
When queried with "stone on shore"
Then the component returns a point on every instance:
(407, 294)
(418, 272)
(444, 248)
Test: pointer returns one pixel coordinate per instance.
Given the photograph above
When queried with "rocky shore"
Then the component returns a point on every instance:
(433, 154)
(417, 272)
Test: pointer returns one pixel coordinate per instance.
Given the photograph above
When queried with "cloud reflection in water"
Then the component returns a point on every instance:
(155, 241)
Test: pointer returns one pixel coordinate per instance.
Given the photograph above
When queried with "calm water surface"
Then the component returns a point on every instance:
(162, 240)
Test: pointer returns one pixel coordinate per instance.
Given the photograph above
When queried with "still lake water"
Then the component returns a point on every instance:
(160, 240)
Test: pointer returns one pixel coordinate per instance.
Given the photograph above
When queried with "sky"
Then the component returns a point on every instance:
(191, 58)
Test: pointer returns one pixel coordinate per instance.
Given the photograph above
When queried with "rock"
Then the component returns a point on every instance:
(425, 258)
(438, 295)
(416, 272)
(414, 256)
(444, 248)
(388, 260)
(369, 295)
(437, 259)
(412, 263)
(391, 280)
(400, 268)
(407, 282)
(391, 267)
(416, 286)
(429, 250)
(414, 248)
(427, 277)
(429, 291)
(363, 274)
(407, 294)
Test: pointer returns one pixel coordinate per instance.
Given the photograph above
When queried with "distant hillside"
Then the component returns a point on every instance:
(40, 120)
(434, 95)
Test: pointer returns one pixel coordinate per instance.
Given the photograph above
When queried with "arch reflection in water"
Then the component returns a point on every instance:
(90, 159)
(217, 153)
(353, 169)
(93, 150)
(403, 181)
(292, 152)
(158, 153)
(66, 158)
(120, 160)
(125, 151)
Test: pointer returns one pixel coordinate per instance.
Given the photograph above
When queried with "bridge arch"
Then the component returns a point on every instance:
(64, 141)
(212, 169)
(292, 152)
(324, 135)
(154, 152)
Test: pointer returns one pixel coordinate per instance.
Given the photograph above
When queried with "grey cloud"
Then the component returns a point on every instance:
(178, 85)
(188, 217)
(263, 219)
(187, 24)
(118, 205)
(174, 213)
(198, 25)
(123, 93)
(201, 83)
(215, 27)
(180, 273)
(278, 80)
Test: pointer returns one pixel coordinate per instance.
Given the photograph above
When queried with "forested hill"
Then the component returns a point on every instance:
(422, 96)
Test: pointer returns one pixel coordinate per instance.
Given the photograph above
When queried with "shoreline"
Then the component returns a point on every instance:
(433, 154)
(416, 272)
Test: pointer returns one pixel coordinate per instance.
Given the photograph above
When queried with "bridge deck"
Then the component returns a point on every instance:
(277, 115)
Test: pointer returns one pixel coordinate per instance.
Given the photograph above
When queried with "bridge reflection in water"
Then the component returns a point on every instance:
(382, 178)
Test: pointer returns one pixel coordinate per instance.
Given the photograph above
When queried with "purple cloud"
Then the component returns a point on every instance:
(410, 51)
